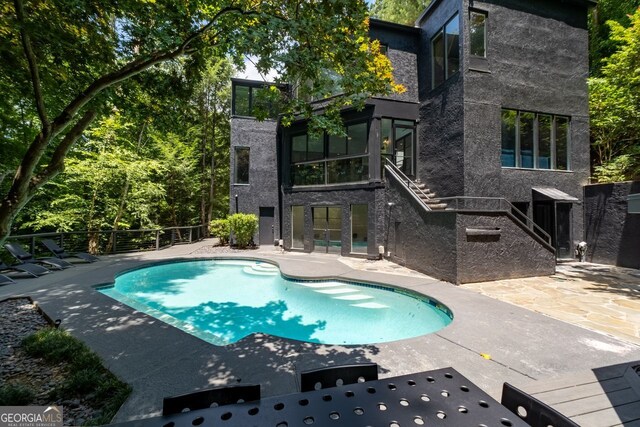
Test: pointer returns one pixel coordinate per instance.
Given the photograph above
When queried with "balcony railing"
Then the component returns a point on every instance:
(113, 241)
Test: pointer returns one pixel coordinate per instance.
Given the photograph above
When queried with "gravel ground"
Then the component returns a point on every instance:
(19, 318)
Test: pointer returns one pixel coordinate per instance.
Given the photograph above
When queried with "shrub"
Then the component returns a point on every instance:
(16, 395)
(244, 226)
(220, 228)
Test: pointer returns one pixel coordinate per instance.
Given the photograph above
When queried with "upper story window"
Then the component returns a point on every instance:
(245, 99)
(241, 165)
(445, 52)
(330, 159)
(478, 33)
(535, 140)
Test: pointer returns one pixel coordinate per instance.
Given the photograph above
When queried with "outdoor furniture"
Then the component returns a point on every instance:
(23, 256)
(333, 376)
(31, 269)
(438, 397)
(4, 280)
(531, 410)
(59, 252)
(219, 396)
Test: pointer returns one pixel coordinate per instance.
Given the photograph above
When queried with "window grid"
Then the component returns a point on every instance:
(553, 143)
(445, 46)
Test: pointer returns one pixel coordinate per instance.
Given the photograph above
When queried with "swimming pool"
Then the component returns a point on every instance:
(222, 301)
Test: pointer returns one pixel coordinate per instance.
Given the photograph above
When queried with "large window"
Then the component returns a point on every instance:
(478, 33)
(330, 159)
(359, 228)
(445, 52)
(535, 140)
(246, 100)
(397, 144)
(242, 165)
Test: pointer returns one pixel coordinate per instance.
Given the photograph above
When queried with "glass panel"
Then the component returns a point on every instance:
(509, 138)
(337, 146)
(297, 227)
(544, 141)
(437, 60)
(308, 174)
(357, 138)
(299, 148)
(319, 229)
(316, 148)
(348, 170)
(477, 34)
(404, 150)
(241, 101)
(242, 165)
(453, 49)
(564, 245)
(562, 143)
(526, 139)
(334, 226)
(359, 227)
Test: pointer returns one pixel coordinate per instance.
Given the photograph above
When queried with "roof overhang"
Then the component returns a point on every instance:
(541, 194)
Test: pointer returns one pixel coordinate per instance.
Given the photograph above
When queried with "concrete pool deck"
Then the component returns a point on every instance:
(489, 341)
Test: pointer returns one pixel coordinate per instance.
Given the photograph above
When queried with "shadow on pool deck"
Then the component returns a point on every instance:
(159, 360)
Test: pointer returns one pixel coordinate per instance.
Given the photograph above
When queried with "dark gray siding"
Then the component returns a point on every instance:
(613, 235)
(441, 128)
(537, 60)
(262, 190)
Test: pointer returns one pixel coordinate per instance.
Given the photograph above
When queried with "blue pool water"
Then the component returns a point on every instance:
(222, 301)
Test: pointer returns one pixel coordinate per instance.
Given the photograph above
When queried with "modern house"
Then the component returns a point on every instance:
(474, 173)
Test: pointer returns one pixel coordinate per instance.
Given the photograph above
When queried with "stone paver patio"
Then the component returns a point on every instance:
(598, 297)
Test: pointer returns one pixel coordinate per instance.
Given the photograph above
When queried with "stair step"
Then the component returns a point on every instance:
(431, 201)
(438, 207)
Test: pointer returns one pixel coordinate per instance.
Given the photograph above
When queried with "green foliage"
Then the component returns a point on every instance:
(16, 395)
(244, 226)
(614, 102)
(84, 374)
(221, 229)
(400, 11)
(601, 44)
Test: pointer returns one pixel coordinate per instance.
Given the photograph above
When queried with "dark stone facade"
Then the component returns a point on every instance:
(262, 190)
(613, 234)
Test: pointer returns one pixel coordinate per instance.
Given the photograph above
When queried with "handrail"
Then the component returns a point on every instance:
(400, 176)
(527, 223)
(130, 240)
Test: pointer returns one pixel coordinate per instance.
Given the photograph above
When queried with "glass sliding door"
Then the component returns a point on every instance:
(327, 229)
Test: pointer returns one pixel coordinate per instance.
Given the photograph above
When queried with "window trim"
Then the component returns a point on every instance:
(486, 40)
(443, 31)
(235, 165)
(536, 146)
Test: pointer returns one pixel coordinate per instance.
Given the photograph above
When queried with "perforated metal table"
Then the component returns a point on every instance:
(440, 397)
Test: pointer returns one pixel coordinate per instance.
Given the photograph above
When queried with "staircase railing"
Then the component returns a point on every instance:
(488, 204)
(402, 178)
(468, 204)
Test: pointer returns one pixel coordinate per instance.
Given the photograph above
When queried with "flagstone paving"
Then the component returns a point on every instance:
(599, 297)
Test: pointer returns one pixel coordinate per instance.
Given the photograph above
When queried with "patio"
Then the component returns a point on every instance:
(489, 342)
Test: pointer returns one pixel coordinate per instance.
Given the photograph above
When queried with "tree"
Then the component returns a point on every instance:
(401, 11)
(614, 104)
(71, 57)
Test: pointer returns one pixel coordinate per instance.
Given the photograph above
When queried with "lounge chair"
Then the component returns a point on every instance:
(60, 253)
(31, 269)
(4, 280)
(23, 256)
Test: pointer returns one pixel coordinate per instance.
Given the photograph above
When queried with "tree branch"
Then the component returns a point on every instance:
(56, 165)
(33, 66)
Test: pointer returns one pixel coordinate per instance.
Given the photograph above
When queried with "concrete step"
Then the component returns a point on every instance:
(438, 207)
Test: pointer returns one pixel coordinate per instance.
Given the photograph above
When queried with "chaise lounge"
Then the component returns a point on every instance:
(60, 253)
(31, 269)
(23, 256)
(4, 280)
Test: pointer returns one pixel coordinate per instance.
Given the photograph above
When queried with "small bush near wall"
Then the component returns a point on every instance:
(220, 228)
(244, 226)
